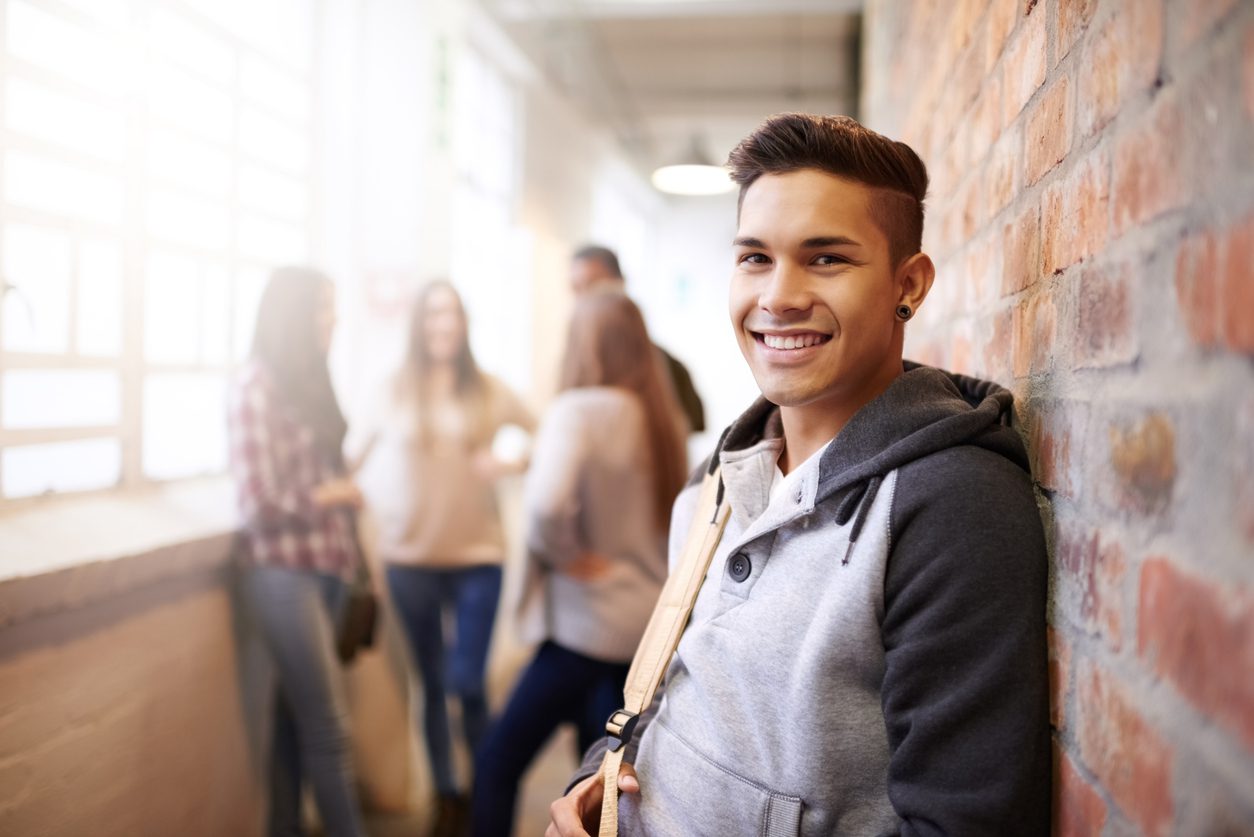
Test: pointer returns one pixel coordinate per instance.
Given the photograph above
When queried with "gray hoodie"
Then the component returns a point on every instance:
(867, 653)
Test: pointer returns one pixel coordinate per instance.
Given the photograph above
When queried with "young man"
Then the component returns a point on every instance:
(866, 655)
(595, 266)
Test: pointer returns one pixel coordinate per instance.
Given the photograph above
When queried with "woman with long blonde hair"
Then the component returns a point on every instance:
(440, 532)
(606, 466)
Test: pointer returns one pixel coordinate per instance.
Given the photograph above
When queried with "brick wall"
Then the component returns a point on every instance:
(1091, 216)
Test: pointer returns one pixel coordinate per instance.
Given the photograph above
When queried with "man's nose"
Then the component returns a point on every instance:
(786, 289)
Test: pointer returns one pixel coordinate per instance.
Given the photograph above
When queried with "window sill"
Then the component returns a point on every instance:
(68, 552)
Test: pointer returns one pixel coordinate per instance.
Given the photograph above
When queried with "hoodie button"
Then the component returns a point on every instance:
(739, 567)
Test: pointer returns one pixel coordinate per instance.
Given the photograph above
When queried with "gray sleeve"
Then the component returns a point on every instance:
(592, 759)
(965, 692)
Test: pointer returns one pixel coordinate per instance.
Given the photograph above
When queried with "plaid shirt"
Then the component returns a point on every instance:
(276, 467)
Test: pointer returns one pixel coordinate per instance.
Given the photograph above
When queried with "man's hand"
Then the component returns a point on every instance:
(337, 493)
(578, 813)
(589, 566)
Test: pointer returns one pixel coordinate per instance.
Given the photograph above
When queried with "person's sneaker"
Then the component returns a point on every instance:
(452, 816)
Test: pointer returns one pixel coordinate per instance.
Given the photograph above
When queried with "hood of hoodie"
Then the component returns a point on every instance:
(924, 410)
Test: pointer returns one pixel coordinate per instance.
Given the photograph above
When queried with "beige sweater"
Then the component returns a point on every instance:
(430, 505)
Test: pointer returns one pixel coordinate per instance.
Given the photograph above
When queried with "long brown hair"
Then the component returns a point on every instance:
(608, 345)
(469, 387)
(285, 343)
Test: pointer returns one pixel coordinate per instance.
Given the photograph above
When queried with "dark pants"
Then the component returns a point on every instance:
(422, 596)
(558, 686)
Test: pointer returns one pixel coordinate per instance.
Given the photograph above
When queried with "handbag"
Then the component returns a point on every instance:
(360, 618)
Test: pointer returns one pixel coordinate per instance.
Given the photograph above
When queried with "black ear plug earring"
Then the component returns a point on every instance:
(904, 312)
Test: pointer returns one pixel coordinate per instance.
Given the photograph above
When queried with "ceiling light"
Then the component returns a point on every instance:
(693, 174)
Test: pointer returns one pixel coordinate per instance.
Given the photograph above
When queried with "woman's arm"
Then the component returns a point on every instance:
(552, 497)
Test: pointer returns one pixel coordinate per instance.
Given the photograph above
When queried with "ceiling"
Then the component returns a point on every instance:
(660, 74)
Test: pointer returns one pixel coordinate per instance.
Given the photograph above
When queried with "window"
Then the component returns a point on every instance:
(156, 163)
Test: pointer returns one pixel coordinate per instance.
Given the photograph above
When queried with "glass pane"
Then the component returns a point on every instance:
(99, 298)
(65, 120)
(197, 106)
(273, 142)
(37, 314)
(188, 220)
(249, 284)
(184, 425)
(276, 91)
(286, 197)
(171, 298)
(54, 43)
(36, 398)
(191, 46)
(41, 183)
(216, 316)
(272, 241)
(65, 466)
(188, 162)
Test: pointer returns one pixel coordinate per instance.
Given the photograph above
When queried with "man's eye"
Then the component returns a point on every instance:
(830, 259)
(754, 258)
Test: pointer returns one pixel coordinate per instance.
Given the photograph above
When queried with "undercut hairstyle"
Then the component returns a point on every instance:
(603, 256)
(841, 146)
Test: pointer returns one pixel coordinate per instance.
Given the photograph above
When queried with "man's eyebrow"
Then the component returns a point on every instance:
(749, 242)
(829, 241)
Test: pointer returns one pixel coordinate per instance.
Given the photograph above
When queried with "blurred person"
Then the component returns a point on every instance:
(440, 530)
(867, 652)
(298, 543)
(607, 463)
(594, 266)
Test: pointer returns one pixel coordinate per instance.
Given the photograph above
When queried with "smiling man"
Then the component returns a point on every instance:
(866, 655)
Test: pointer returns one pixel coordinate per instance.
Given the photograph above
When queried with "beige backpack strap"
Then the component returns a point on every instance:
(653, 655)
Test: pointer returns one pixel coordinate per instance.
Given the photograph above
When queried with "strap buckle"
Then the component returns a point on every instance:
(620, 727)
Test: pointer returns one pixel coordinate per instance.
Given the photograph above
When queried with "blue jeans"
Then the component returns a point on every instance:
(422, 596)
(558, 686)
(297, 612)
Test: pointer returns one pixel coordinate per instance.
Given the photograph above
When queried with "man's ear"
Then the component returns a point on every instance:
(914, 279)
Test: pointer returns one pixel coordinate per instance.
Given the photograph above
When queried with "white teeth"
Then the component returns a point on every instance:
(791, 341)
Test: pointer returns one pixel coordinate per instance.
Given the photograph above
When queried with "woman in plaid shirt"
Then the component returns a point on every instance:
(296, 507)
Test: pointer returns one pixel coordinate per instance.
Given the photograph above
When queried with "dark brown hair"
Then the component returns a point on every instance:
(841, 146)
(285, 343)
(604, 255)
(609, 346)
(469, 386)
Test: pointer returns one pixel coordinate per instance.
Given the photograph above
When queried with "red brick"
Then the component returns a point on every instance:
(1035, 330)
(1077, 810)
(1105, 325)
(985, 124)
(1122, 59)
(1075, 224)
(1073, 19)
(1023, 68)
(1236, 301)
(1148, 178)
(1002, 16)
(1241, 467)
(1048, 135)
(1001, 181)
(1021, 251)
(983, 259)
(1197, 286)
(1053, 430)
(1215, 286)
(1200, 636)
(1143, 457)
(996, 354)
(1059, 677)
(971, 209)
(1095, 567)
(1124, 752)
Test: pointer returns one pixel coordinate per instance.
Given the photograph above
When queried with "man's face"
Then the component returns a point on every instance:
(588, 273)
(812, 293)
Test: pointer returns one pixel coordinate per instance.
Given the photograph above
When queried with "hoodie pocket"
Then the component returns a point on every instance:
(682, 791)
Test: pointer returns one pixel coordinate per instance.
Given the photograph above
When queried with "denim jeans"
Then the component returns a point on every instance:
(297, 612)
(558, 686)
(422, 596)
